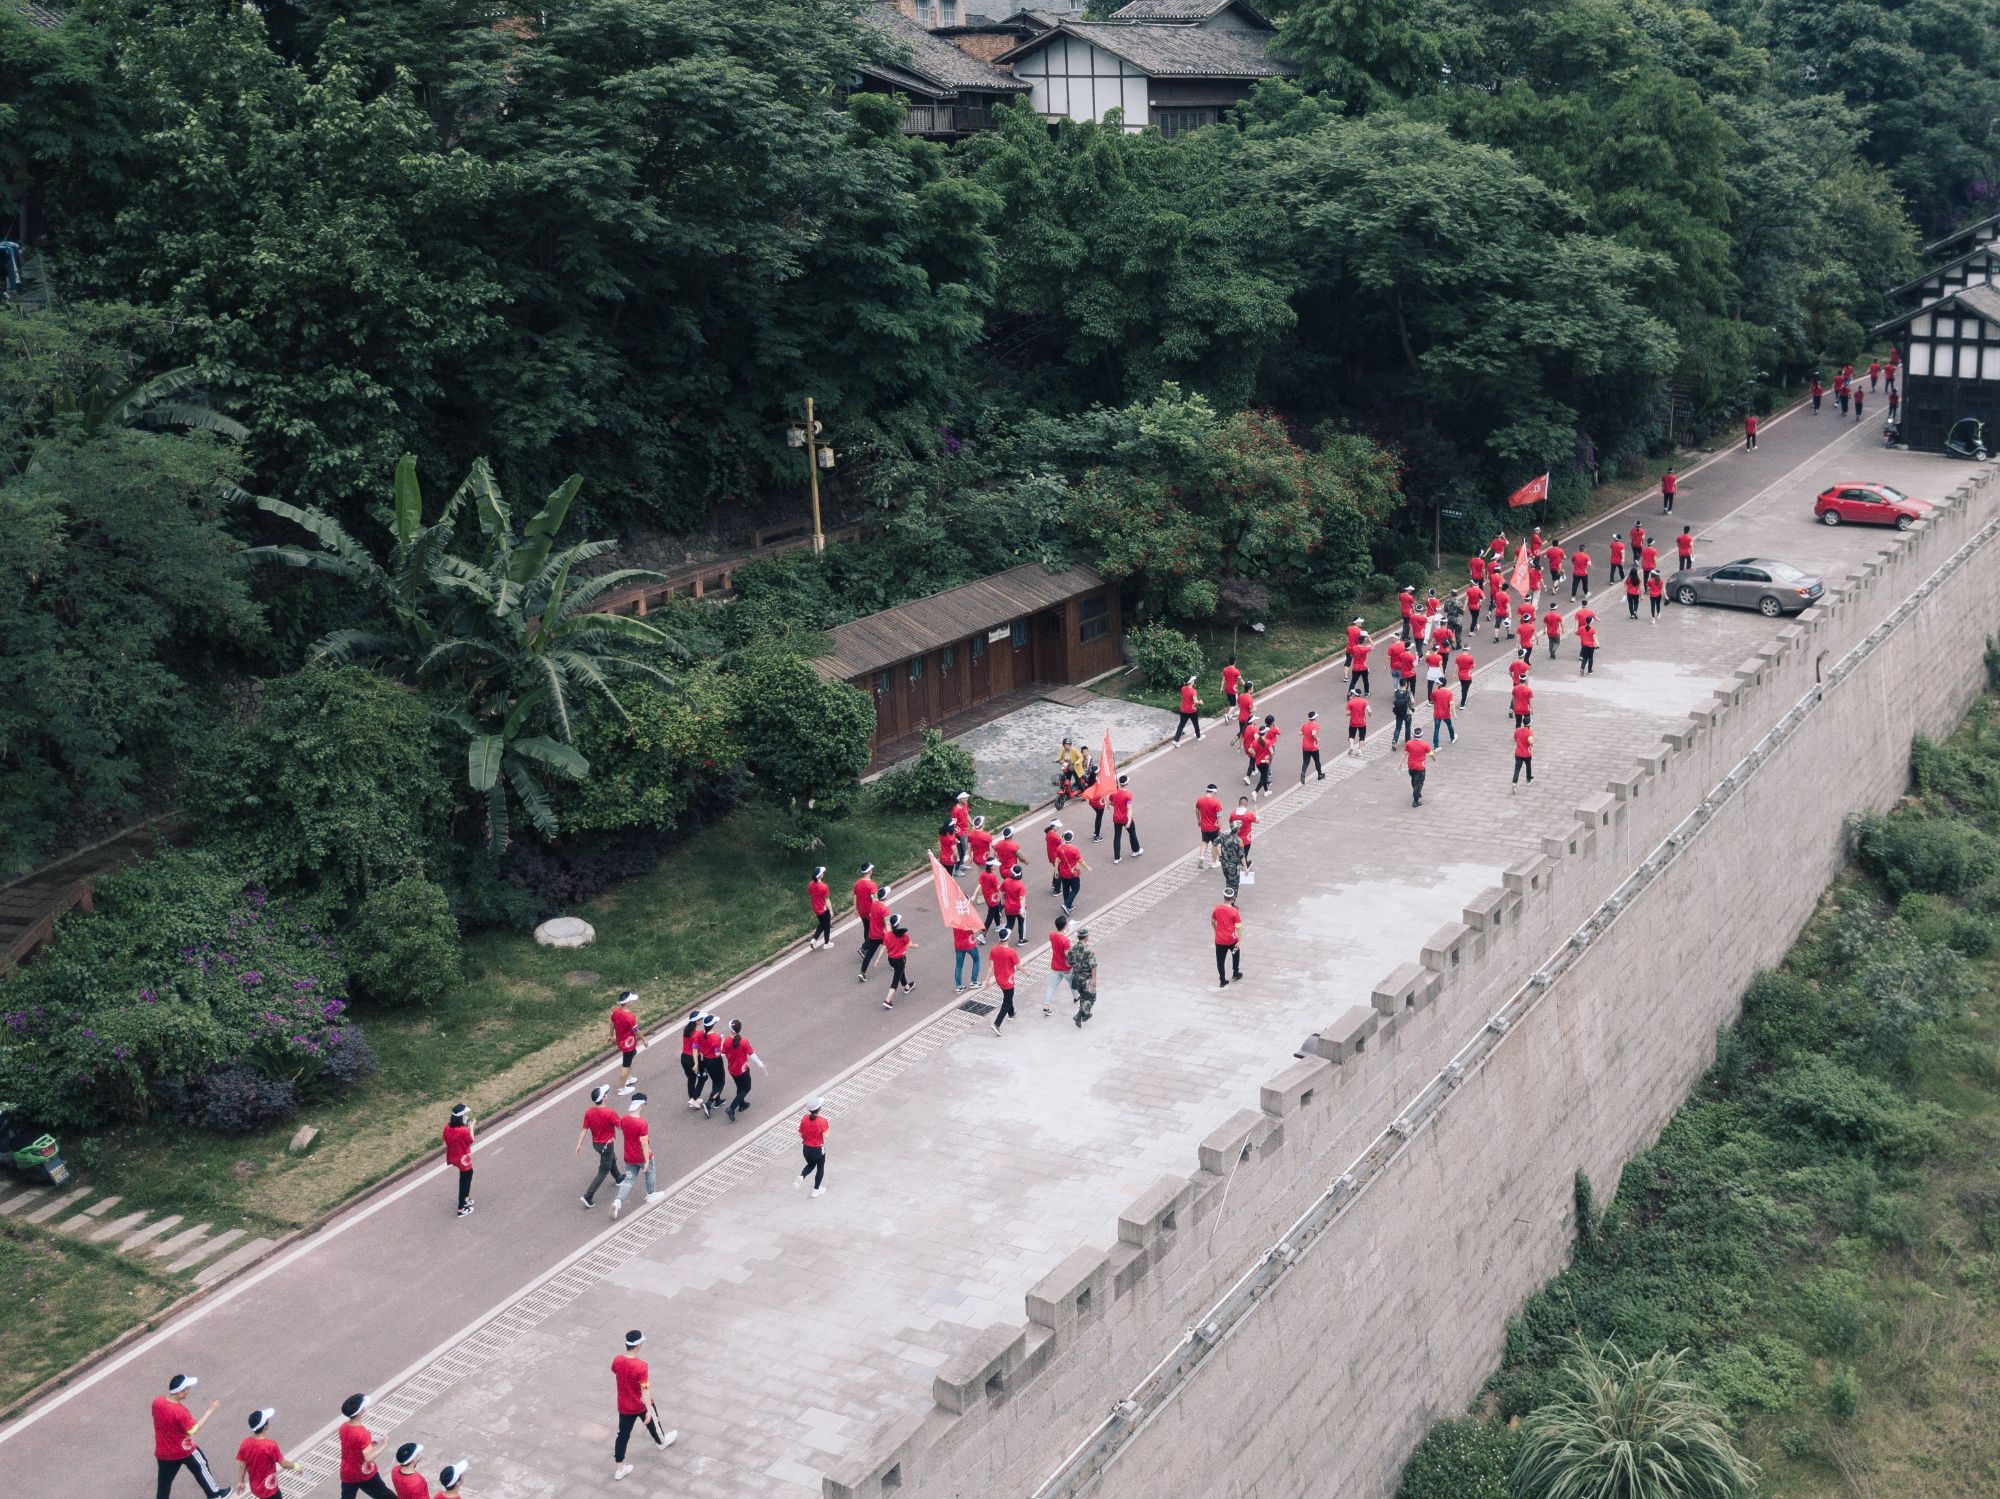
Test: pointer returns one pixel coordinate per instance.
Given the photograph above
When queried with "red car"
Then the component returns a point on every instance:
(1869, 505)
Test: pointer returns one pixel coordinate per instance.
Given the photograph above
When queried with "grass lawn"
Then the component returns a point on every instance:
(723, 901)
(63, 1299)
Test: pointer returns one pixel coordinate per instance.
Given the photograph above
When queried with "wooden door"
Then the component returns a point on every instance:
(954, 668)
(1051, 646)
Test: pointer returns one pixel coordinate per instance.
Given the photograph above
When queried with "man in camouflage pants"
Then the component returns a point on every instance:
(1083, 974)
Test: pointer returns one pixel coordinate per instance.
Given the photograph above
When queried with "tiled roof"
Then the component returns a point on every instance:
(40, 15)
(880, 640)
(1981, 299)
(1184, 10)
(1162, 50)
(911, 51)
(1989, 249)
(1956, 235)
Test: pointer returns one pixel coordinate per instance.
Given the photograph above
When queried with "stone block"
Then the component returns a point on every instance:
(1597, 810)
(1155, 1212)
(1348, 1036)
(1399, 990)
(1071, 1294)
(1529, 876)
(1293, 1088)
(1444, 951)
(1625, 787)
(1483, 915)
(303, 1140)
(882, 1464)
(565, 931)
(1230, 1144)
(980, 1372)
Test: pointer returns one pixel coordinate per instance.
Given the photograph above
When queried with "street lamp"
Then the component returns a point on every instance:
(819, 455)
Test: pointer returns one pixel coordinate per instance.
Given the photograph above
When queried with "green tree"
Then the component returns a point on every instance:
(807, 739)
(404, 948)
(647, 767)
(1620, 1428)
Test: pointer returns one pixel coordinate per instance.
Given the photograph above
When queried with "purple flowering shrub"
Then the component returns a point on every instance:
(182, 976)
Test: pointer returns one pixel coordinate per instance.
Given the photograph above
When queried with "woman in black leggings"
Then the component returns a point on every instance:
(689, 1067)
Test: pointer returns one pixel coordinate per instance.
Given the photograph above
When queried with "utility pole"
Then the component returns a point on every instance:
(819, 455)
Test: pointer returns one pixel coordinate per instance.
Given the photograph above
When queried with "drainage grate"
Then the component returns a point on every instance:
(977, 1007)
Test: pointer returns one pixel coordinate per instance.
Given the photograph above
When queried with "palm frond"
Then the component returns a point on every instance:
(591, 590)
(541, 531)
(361, 573)
(408, 500)
(496, 818)
(555, 693)
(343, 646)
(534, 800)
(316, 523)
(565, 760)
(483, 756)
(194, 415)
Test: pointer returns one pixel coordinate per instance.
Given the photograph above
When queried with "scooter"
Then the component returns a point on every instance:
(29, 1150)
(1967, 439)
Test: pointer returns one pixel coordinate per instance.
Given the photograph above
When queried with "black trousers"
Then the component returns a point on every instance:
(1632, 604)
(1006, 1008)
(1472, 622)
(898, 979)
(1358, 680)
(742, 1099)
(691, 1070)
(1097, 827)
(372, 1486)
(994, 918)
(869, 947)
(712, 1068)
(607, 1169)
(1416, 788)
(1228, 954)
(1589, 659)
(1653, 602)
(823, 927)
(1617, 571)
(626, 1421)
(1264, 775)
(815, 1165)
(1527, 763)
(1070, 889)
(1310, 758)
(196, 1462)
(1578, 584)
(464, 1188)
(1120, 831)
(1187, 720)
(1464, 691)
(1018, 923)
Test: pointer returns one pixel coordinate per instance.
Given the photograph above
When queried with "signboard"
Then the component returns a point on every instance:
(998, 634)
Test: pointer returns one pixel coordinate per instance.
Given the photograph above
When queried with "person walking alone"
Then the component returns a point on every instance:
(1416, 753)
(1466, 665)
(1357, 726)
(600, 1128)
(1190, 711)
(1749, 442)
(1232, 679)
(1552, 622)
(1006, 962)
(1228, 924)
(1059, 945)
(458, 1154)
(1684, 547)
(1669, 482)
(812, 1139)
(1524, 756)
(1309, 747)
(896, 944)
(634, 1384)
(358, 1473)
(820, 898)
(636, 1146)
(174, 1430)
(1122, 825)
(1860, 397)
(625, 1037)
(741, 1056)
(1083, 975)
(1617, 556)
(1579, 572)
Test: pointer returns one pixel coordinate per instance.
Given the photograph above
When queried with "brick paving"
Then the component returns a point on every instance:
(783, 1329)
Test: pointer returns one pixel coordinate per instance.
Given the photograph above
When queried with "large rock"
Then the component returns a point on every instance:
(565, 931)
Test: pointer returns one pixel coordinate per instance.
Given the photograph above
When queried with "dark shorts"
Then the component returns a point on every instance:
(1209, 835)
(626, 1056)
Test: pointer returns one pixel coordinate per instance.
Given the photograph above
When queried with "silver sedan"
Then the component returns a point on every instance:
(1771, 588)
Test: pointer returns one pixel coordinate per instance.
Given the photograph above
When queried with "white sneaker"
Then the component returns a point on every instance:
(630, 1087)
(669, 1439)
(617, 1206)
(654, 1196)
(621, 1470)
(819, 1191)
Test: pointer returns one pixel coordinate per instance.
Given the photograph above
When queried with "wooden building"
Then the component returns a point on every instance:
(1968, 268)
(927, 661)
(1968, 237)
(946, 91)
(1951, 363)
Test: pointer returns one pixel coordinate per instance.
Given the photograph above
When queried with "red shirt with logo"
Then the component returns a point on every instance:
(1005, 961)
(354, 1440)
(989, 886)
(1524, 742)
(1121, 806)
(812, 1130)
(709, 1045)
(820, 896)
(961, 818)
(1187, 698)
(173, 1425)
(1416, 752)
(1008, 852)
(624, 1028)
(458, 1147)
(1208, 812)
(981, 843)
(1357, 712)
(1012, 894)
(1228, 922)
(964, 939)
(630, 1374)
(260, 1456)
(409, 1485)
(632, 1127)
(1069, 859)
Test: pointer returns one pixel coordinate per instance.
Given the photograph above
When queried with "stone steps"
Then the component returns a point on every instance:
(210, 1254)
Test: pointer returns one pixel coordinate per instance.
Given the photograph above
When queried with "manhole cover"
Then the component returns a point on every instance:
(977, 1007)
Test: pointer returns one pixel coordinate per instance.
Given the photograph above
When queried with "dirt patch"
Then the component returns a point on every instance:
(583, 978)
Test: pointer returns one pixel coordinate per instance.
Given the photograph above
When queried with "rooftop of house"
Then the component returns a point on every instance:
(39, 14)
(878, 640)
(1950, 243)
(1981, 299)
(1187, 10)
(926, 64)
(1173, 49)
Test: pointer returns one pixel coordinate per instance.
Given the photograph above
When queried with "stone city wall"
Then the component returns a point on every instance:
(1337, 1270)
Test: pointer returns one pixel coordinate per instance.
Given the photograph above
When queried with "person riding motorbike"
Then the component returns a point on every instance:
(1070, 768)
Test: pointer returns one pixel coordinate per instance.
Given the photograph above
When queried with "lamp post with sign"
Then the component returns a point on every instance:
(819, 455)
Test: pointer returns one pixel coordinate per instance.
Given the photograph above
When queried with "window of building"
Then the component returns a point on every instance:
(1093, 618)
(1174, 121)
(978, 649)
(1019, 634)
(881, 683)
(948, 658)
(916, 668)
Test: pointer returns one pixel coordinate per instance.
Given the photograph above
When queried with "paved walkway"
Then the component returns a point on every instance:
(962, 1166)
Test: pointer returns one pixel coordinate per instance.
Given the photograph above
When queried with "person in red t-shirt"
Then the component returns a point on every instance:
(820, 897)
(1586, 642)
(1406, 603)
(1874, 373)
(1749, 446)
(1464, 662)
(708, 1045)
(1232, 679)
(1554, 557)
(1579, 571)
(896, 947)
(1007, 850)
(1524, 632)
(1267, 746)
(636, 1147)
(1357, 725)
(1441, 722)
(1649, 557)
(1309, 747)
(1617, 555)
(1208, 822)
(1417, 753)
(600, 1128)
(458, 1154)
(358, 1474)
(1634, 585)
(1399, 660)
(1228, 924)
(864, 894)
(1059, 957)
(1535, 544)
(947, 839)
(1246, 740)
(1356, 633)
(1014, 902)
(1521, 703)
(1052, 840)
(625, 1037)
(1357, 664)
(989, 894)
(1190, 711)
(409, 1483)
(1244, 820)
(964, 945)
(1656, 590)
(961, 821)
(1524, 755)
(1684, 547)
(812, 1136)
(1517, 669)
(1006, 962)
(634, 1383)
(1552, 622)
(1246, 703)
(1501, 605)
(691, 1057)
(1475, 567)
(1122, 825)
(1475, 600)
(1070, 870)
(874, 928)
(738, 1053)
(174, 1428)
(258, 1458)
(980, 842)
(1638, 535)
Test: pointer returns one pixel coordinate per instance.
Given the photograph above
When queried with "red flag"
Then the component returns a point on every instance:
(1527, 494)
(953, 907)
(1519, 581)
(1107, 777)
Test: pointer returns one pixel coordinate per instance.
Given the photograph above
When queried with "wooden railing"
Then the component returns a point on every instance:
(716, 579)
(946, 119)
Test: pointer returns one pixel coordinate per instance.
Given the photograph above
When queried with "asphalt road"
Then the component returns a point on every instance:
(387, 1285)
